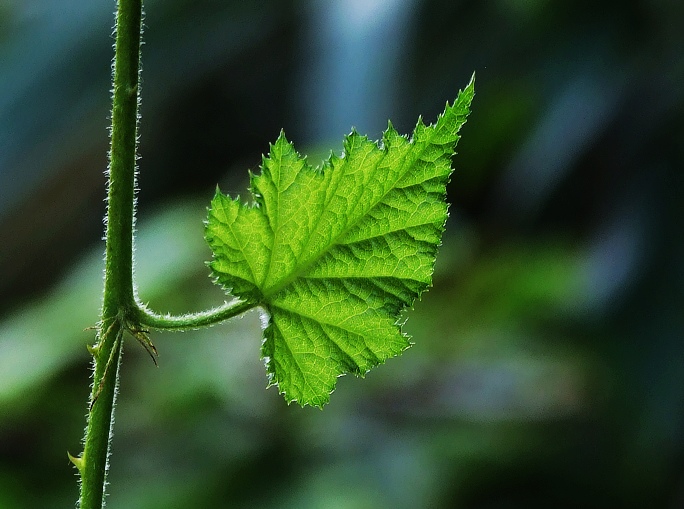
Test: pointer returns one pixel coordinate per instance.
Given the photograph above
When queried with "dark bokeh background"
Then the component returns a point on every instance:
(548, 366)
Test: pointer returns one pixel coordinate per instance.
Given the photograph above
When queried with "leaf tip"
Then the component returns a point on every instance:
(78, 461)
(94, 350)
(389, 134)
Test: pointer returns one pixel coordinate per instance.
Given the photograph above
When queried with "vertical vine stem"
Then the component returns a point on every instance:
(118, 299)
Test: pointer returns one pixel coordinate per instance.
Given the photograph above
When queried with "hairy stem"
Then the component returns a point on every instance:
(118, 300)
(153, 320)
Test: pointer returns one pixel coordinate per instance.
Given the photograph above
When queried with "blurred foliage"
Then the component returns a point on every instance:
(547, 366)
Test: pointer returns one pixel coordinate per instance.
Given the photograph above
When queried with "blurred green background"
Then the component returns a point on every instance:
(548, 365)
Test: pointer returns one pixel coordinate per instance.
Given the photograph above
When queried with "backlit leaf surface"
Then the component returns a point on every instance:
(335, 254)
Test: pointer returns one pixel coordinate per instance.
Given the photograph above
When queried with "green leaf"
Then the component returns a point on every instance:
(335, 254)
